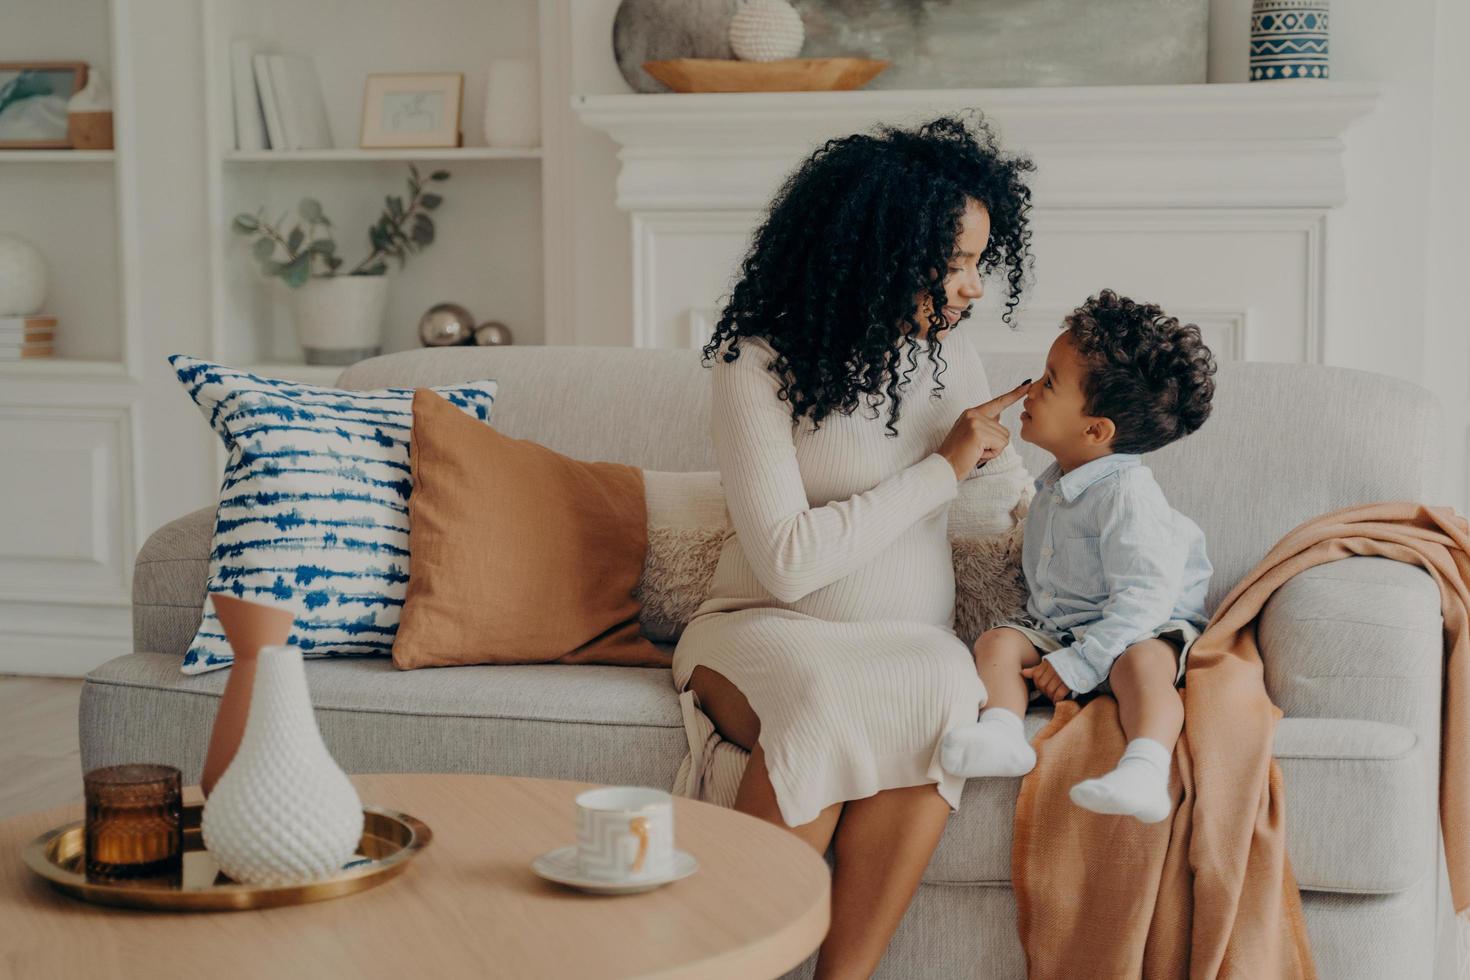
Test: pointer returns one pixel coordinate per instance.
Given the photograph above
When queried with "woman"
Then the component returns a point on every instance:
(846, 411)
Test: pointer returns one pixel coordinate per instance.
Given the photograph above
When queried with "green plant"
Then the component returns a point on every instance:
(310, 249)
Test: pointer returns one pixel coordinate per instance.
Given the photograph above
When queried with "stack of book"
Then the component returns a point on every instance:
(278, 101)
(27, 337)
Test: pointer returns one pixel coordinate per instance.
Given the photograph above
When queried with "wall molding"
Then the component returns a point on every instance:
(1237, 145)
(647, 230)
(114, 554)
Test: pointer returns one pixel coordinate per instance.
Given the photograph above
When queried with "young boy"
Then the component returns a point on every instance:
(1117, 577)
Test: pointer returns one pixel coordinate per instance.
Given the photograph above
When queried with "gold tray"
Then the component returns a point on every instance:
(389, 841)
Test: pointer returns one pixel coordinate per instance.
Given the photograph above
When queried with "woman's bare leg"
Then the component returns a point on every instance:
(884, 843)
(738, 723)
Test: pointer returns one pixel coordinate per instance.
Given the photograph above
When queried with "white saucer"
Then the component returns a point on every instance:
(560, 866)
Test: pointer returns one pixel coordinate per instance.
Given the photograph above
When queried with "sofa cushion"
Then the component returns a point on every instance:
(519, 554)
(313, 510)
(1357, 809)
(1356, 792)
(585, 722)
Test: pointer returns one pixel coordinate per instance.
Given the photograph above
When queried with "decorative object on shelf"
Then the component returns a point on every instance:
(766, 30)
(446, 325)
(797, 75)
(33, 97)
(89, 115)
(657, 30)
(412, 111)
(249, 627)
(134, 827)
(493, 333)
(1011, 43)
(26, 337)
(22, 277)
(339, 317)
(284, 812)
(339, 320)
(512, 104)
(1289, 39)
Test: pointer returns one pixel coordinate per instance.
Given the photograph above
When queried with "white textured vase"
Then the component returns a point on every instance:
(339, 320)
(766, 30)
(284, 812)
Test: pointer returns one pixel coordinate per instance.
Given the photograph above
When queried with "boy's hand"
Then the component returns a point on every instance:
(1048, 681)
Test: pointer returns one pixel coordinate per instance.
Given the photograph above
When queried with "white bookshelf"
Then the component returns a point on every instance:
(347, 155)
(73, 205)
(56, 156)
(490, 242)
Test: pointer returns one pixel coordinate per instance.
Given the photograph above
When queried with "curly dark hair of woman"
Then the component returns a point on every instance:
(1150, 374)
(863, 228)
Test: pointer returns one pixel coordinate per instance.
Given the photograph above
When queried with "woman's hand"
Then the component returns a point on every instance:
(1048, 681)
(977, 435)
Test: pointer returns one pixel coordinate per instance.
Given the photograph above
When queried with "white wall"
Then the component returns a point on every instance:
(1392, 305)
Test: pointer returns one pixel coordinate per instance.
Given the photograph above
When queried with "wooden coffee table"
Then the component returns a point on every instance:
(468, 905)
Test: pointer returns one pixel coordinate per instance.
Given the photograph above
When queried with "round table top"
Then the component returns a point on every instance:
(469, 903)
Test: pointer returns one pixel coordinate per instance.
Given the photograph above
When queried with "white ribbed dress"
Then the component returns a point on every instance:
(832, 606)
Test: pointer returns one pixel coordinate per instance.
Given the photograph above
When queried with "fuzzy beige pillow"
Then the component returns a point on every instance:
(688, 525)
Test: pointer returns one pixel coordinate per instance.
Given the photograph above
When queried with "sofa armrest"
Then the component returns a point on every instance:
(170, 576)
(1359, 638)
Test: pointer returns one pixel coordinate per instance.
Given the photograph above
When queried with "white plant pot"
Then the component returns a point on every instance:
(339, 320)
(284, 812)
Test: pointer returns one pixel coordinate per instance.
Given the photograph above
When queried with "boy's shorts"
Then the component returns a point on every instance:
(1178, 631)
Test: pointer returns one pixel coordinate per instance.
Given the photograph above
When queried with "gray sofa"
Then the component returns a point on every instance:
(1352, 649)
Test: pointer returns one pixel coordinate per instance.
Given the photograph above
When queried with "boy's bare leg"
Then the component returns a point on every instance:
(1152, 715)
(996, 744)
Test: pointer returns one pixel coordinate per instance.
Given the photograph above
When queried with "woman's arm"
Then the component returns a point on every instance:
(794, 549)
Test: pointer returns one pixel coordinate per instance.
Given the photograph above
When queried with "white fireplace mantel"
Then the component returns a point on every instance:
(1210, 199)
(1246, 145)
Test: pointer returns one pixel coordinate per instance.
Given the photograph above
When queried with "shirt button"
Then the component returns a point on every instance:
(1046, 552)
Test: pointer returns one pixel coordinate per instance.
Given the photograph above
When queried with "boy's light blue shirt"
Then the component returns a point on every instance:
(1108, 559)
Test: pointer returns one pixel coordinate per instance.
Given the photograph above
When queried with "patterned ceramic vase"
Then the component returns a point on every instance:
(1288, 39)
(284, 812)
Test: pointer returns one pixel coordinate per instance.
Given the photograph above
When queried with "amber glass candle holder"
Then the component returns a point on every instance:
(135, 824)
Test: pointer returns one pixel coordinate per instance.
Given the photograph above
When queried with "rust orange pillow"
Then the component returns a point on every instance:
(518, 554)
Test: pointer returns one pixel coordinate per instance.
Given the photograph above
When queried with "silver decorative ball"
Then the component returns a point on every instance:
(446, 324)
(492, 333)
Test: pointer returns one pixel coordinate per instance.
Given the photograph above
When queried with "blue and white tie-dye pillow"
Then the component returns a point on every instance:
(313, 511)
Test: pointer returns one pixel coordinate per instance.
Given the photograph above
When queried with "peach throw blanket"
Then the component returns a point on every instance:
(1210, 893)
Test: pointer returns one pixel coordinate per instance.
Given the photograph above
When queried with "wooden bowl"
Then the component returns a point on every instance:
(792, 75)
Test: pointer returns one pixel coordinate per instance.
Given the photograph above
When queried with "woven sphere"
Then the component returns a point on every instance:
(766, 30)
(22, 277)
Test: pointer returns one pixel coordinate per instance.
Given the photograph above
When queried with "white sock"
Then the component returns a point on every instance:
(1139, 787)
(993, 746)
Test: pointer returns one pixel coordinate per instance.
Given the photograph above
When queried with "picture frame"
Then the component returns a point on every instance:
(412, 111)
(33, 98)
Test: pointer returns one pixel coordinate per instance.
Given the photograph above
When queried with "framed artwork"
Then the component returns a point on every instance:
(412, 111)
(33, 97)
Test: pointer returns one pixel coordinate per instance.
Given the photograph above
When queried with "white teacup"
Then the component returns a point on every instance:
(625, 834)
